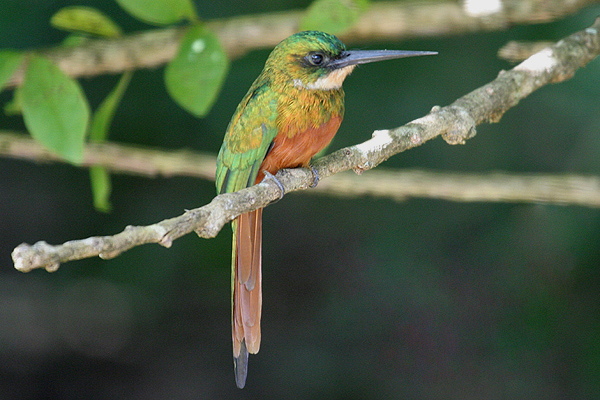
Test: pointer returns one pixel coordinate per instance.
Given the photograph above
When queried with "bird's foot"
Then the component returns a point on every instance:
(269, 175)
(315, 175)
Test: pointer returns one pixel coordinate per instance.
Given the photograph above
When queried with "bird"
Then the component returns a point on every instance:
(290, 113)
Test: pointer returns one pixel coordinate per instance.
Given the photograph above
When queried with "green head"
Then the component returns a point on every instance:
(319, 61)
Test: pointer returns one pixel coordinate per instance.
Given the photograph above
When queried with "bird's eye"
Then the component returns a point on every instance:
(316, 59)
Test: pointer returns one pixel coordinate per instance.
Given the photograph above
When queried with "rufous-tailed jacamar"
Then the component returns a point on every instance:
(292, 111)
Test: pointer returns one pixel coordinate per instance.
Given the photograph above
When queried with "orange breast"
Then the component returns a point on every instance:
(297, 150)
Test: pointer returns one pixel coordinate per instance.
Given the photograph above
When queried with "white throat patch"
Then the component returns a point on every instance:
(331, 81)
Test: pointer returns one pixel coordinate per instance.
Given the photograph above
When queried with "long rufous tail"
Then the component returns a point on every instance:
(246, 288)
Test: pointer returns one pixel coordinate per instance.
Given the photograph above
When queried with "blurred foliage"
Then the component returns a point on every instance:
(195, 76)
(363, 298)
(9, 62)
(85, 20)
(55, 109)
(160, 12)
(332, 16)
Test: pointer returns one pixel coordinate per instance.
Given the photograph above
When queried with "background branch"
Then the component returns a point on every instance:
(238, 35)
(516, 51)
(397, 185)
(496, 186)
(455, 123)
(136, 160)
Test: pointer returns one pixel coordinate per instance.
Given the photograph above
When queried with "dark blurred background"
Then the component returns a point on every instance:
(364, 298)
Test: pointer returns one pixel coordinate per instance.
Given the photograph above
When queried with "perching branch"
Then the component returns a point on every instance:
(455, 123)
(238, 35)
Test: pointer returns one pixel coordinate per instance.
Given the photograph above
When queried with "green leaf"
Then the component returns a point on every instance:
(10, 60)
(74, 39)
(104, 114)
(55, 109)
(160, 12)
(14, 107)
(85, 19)
(101, 188)
(99, 176)
(196, 74)
(333, 16)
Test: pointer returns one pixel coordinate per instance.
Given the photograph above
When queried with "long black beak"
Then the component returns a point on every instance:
(354, 57)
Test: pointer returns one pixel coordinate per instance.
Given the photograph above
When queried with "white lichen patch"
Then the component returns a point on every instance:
(380, 139)
(538, 63)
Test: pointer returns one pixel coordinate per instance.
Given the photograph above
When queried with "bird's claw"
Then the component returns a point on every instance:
(269, 175)
(315, 175)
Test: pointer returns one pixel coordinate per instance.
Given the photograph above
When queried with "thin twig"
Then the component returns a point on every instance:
(455, 123)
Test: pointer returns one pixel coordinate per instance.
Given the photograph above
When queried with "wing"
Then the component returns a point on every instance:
(247, 140)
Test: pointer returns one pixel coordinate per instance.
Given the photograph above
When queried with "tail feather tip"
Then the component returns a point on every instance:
(240, 365)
